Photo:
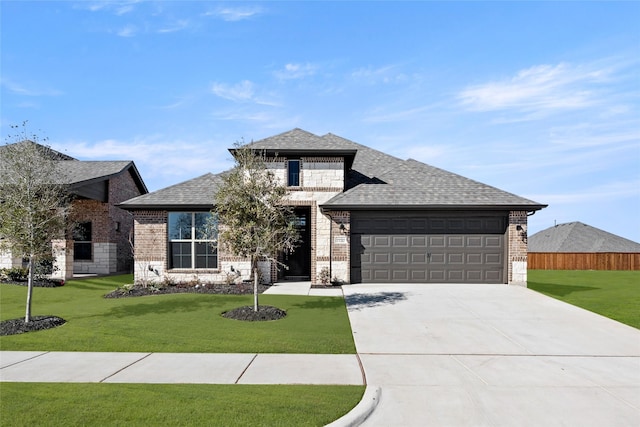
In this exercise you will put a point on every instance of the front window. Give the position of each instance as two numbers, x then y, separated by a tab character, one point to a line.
193	240
293	173
82	236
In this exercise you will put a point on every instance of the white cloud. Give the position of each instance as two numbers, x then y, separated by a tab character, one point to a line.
240	92
177	26
233	14
387	74
162	160
296	71
117	7
540	88
596	134
28	90
127	31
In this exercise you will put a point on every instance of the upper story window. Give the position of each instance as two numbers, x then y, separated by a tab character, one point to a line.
293	173
192	240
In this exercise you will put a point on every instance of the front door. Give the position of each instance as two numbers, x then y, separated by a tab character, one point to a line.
299	261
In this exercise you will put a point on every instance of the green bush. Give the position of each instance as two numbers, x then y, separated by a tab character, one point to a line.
14	274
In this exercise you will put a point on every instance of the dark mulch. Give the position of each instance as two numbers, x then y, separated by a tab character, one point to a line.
265	312
38	283
37	323
244	288
330	286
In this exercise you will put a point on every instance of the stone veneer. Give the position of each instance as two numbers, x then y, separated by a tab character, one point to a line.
9	261
517	262
321	178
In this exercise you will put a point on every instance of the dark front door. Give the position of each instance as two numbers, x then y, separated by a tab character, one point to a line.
299	261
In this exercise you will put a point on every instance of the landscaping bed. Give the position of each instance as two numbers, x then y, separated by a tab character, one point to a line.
244	288
38	283
37	323
247	313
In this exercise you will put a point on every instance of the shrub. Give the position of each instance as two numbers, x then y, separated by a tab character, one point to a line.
15	274
324	276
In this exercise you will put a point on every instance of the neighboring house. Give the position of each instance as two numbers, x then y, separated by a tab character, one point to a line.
578	246
363	215
99	242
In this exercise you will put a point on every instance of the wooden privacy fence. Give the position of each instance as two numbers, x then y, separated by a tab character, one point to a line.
583	261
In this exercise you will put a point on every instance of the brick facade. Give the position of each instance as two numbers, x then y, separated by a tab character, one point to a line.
111	228
321	178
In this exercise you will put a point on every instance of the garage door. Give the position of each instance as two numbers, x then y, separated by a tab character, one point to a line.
426	248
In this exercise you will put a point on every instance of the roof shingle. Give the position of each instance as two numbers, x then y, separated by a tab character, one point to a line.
375	179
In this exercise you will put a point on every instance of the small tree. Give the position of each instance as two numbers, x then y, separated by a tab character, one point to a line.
251	208
34	201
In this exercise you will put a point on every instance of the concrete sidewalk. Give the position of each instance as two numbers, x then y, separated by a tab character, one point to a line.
184	368
302	288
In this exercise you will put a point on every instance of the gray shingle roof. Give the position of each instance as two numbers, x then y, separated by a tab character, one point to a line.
375	179
78	173
197	193
579	237
411	183
298	139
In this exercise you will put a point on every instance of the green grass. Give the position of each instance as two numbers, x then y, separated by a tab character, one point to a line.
173	323
614	294
27	404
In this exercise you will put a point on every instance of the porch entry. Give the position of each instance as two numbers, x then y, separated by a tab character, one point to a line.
299	261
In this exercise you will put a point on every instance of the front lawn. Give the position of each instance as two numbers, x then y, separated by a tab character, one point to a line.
28	404
173	323
614	294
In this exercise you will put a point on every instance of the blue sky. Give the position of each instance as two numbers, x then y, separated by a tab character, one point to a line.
541	99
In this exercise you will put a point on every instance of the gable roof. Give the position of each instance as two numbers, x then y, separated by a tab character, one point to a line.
80	173
298	142
579	237
197	193
44	150
373	180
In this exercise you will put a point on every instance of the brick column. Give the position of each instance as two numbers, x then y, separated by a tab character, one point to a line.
517	258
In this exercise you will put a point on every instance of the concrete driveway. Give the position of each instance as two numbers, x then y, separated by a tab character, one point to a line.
492	355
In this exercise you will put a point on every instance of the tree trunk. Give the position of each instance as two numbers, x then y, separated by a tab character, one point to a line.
255	289
27	316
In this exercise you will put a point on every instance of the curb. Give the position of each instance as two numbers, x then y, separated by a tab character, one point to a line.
362	410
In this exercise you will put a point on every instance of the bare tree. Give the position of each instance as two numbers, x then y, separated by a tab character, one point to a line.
34	201
251	208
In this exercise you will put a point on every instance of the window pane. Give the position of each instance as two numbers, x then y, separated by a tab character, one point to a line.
82	251
205	226
206	256
294	173
82	232
180	255
180	225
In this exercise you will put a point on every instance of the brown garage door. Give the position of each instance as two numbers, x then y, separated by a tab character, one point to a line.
408	247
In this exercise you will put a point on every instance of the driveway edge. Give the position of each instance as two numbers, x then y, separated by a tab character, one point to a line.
362	410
